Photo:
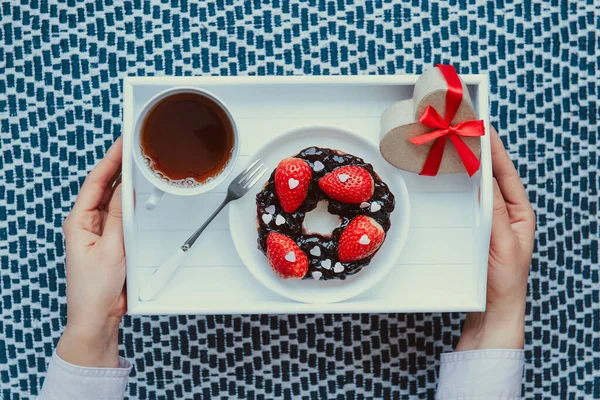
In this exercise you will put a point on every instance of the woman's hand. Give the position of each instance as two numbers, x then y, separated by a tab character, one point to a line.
501	326
96	298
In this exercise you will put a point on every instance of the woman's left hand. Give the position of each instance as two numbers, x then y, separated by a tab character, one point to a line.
96	298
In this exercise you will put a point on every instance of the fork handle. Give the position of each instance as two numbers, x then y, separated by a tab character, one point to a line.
192	239
159	278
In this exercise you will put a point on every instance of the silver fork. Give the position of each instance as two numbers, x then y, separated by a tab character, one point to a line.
237	188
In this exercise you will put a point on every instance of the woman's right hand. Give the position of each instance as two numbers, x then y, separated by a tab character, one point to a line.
501	326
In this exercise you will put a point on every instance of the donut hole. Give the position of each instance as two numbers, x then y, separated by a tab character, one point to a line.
320	221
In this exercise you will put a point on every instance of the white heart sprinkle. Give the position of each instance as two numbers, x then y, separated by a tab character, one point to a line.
270	209
293	183
267	218
326	264
338	267
343	177
317	275
279	220
364	204
318	166
316	251
375	207
291	257
364	239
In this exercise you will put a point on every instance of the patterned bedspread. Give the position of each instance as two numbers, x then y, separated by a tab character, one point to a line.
61	69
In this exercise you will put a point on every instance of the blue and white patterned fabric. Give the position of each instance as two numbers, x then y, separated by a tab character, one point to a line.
61	70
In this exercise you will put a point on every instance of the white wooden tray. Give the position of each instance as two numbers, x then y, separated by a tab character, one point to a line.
444	263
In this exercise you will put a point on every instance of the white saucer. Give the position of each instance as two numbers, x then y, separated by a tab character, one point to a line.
243	226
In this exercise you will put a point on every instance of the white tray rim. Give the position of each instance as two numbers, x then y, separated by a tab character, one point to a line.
137	307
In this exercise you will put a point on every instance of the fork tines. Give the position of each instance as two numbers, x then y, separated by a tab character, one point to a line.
250	176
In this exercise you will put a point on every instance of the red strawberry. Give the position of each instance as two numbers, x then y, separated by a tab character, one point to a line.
349	184
362	237
292	178
285	257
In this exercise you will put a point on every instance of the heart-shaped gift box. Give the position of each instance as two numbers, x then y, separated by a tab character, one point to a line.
414	134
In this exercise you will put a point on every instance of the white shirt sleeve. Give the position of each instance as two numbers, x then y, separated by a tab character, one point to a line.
65	381
481	374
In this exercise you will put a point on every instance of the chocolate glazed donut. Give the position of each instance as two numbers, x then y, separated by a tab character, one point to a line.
270	214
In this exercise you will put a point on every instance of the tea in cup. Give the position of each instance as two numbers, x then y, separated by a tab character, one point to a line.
185	143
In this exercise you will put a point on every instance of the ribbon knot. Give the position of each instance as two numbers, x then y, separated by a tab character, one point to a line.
444	130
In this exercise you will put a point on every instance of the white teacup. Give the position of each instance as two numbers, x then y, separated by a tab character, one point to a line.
162	184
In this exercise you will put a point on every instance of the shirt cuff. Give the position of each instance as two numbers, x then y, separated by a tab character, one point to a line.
66	381
481	374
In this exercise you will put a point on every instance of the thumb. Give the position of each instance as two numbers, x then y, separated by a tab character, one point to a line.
501	229
113	227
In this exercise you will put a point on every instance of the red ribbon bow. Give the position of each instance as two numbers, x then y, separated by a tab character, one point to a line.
443	128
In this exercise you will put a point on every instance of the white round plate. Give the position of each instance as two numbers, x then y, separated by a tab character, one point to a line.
242	217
